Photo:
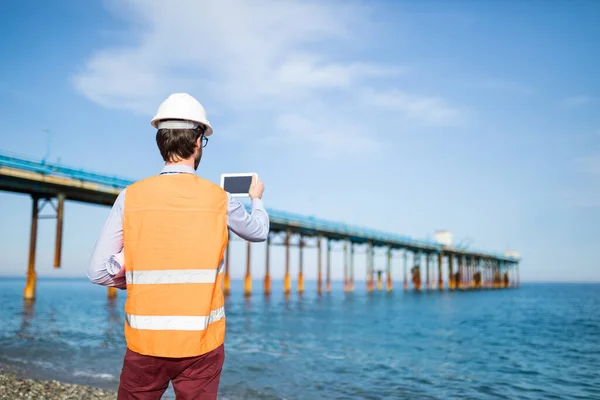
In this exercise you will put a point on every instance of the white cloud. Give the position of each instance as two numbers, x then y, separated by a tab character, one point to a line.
575	101
304	71
273	59
232	50
428	110
328	139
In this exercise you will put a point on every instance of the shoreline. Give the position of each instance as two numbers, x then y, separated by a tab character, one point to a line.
15	385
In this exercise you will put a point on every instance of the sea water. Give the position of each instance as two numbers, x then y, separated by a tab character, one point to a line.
540	341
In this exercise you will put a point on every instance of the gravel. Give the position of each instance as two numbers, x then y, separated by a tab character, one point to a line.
13	387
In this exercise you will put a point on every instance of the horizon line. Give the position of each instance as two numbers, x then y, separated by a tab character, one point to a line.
305	279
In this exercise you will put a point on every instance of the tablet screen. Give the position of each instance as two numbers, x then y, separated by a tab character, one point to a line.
237	184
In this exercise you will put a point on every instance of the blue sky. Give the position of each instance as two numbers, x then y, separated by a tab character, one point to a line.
409	117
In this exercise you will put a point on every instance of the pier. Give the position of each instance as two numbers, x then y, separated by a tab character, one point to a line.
50	185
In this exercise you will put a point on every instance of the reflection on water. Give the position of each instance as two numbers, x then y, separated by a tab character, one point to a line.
27	317
114	322
112	313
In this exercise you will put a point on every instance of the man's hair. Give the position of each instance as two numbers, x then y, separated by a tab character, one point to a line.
177	144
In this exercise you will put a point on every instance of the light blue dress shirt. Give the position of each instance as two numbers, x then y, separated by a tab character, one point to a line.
105	261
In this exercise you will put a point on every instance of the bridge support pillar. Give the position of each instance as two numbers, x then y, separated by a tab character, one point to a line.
465	267
346	279
476	274
473	272
370	277
405	284
248	276
301	267
466	282
351	267
389	269
488	275
481	266
29	292
319	267
463	273
460	282
484	273
59	229
440	273
462	270
450	277
267	281
467	273
427	278
111	293
482	269
328	276
416	272
433	281
287	280
501	273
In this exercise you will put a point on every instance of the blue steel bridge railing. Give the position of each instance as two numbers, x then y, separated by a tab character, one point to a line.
309	222
282	217
55	169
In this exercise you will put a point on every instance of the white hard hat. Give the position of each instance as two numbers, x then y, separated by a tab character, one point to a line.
183	107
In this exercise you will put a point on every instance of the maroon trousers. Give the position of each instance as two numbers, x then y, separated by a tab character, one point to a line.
147	377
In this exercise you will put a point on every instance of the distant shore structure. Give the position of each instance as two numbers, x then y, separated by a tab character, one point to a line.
444	237
53	184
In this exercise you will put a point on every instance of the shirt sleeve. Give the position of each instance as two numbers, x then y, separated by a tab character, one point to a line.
254	226
108	251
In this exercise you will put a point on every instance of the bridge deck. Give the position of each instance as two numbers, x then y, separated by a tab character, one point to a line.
48	180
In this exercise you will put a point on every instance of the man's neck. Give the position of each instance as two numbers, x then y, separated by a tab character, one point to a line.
186	163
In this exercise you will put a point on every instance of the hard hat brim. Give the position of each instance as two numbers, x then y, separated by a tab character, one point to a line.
207	132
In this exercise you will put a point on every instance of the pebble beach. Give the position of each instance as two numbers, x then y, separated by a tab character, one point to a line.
13	386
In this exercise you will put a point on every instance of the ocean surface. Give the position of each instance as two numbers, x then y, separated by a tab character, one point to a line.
541	341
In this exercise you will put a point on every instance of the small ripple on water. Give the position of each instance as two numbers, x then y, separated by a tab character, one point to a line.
95	375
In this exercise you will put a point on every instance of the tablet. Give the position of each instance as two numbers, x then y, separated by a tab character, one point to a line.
238	184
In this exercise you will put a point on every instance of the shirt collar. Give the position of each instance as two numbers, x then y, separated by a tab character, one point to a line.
177	169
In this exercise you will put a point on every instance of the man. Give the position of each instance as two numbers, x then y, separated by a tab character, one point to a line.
164	242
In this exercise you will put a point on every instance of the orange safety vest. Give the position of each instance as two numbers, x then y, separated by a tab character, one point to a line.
175	234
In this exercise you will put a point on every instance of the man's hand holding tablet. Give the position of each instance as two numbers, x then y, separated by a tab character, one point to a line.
243	185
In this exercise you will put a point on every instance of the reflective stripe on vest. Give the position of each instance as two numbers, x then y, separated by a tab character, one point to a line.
178	323
175	234
173	276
